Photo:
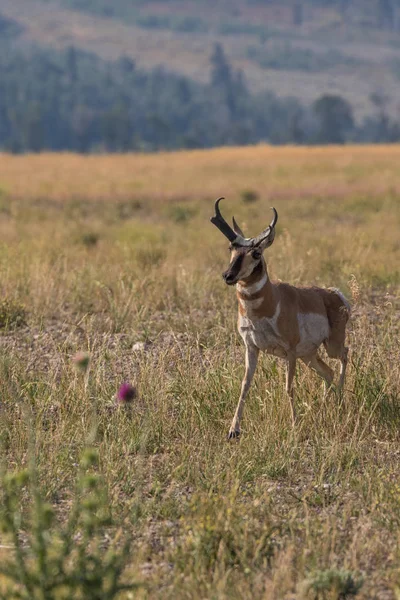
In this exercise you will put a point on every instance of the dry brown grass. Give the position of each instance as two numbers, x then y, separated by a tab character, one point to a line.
106	251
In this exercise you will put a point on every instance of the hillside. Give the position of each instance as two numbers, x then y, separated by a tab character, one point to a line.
303	52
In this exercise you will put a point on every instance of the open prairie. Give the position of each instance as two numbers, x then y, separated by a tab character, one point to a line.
115	256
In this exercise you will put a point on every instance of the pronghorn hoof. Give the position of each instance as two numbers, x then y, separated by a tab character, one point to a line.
233	435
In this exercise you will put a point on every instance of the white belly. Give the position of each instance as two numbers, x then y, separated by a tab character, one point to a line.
313	330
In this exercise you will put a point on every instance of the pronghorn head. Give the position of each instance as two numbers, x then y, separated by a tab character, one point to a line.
246	253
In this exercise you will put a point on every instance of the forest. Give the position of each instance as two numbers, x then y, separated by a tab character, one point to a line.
73	100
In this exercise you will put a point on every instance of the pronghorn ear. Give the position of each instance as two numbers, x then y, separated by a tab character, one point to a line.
236	228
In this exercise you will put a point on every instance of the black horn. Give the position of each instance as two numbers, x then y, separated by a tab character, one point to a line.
219	221
267	232
275	219
236	227
235	238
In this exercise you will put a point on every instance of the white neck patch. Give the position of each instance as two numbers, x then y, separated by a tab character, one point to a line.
254	287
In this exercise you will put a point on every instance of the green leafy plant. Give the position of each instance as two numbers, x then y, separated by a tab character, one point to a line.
12	314
249	196
90	238
52	561
332	584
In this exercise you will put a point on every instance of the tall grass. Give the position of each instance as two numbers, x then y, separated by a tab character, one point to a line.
309	512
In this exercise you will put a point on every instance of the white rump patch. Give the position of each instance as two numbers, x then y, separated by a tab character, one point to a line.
343	298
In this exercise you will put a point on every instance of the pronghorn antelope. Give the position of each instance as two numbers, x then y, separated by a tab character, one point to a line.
283	320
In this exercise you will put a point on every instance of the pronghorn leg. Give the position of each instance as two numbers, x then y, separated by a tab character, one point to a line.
290	371
251	363
316	363
343	365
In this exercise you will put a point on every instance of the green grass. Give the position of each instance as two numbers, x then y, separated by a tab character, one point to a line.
310	512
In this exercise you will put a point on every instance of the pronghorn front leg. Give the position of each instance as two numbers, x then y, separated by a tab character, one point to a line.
251	363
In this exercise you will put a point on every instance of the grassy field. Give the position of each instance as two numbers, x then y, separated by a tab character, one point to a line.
115	256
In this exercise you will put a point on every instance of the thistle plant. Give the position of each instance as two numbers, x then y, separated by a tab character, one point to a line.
81	361
53	561
126	394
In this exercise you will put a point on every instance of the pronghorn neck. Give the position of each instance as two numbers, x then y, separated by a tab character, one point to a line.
255	283
256	294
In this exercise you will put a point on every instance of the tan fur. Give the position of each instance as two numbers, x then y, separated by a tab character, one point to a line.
288	322
295	301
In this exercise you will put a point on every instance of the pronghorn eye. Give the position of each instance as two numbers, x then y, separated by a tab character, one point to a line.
256	254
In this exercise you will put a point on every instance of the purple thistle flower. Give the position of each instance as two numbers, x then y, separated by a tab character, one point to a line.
126	393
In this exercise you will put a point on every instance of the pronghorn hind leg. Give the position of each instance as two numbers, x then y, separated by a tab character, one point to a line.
290	371
251	363
317	364
343	365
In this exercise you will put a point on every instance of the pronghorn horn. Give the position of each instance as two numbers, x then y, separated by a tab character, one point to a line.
275	219
236	227
267	232
219	221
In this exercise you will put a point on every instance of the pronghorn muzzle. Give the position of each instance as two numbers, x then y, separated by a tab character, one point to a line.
230	276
